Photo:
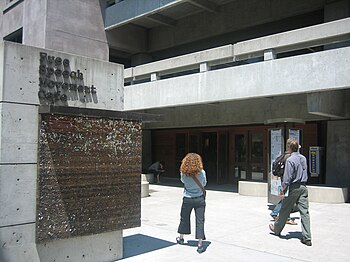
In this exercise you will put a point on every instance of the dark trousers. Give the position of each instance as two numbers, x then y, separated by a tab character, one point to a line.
298	195
198	204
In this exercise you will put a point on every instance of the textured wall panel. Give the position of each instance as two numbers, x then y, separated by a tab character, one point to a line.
17	194
89	176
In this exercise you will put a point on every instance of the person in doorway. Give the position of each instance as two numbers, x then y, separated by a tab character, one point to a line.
194	179
295	177
157	169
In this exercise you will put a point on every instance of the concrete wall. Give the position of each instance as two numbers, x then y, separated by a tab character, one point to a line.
19	118
12	20
21	73
300	74
338	153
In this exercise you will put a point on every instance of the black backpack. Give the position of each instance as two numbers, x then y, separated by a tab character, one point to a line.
279	164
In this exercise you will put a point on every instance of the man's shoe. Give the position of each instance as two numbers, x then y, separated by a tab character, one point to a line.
272	228
306	242
180	241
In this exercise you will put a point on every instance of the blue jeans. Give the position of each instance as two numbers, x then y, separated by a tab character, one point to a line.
277	209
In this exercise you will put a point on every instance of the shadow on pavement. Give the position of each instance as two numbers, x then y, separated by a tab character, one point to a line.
139	244
291	235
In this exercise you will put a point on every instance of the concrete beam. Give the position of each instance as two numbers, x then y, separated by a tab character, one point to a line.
161	19
206	5
126	12
326	33
293	75
328	104
186	61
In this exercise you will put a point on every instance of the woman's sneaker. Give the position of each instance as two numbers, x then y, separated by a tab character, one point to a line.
180	241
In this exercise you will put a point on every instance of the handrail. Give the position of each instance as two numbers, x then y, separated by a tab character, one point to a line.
322	34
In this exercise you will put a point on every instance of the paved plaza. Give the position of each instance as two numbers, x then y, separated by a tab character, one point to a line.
236	229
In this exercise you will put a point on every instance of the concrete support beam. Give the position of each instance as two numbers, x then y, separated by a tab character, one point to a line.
294	75
206	5
154	77
203	67
328	104
127	11
321	34
186	61
269	54
161	19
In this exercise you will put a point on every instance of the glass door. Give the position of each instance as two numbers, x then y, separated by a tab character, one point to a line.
249	154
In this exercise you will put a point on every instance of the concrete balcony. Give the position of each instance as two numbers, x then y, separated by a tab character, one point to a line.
249	69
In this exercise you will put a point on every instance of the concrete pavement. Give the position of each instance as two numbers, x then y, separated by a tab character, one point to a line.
236	229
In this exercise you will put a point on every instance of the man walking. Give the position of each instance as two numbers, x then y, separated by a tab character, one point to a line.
295	177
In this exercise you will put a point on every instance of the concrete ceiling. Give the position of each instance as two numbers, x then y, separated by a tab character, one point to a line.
170	16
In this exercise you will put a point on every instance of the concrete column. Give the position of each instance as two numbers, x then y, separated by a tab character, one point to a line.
203	67
338	153
269	54
154	77
75	27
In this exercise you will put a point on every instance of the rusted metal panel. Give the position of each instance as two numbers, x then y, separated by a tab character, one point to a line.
89	176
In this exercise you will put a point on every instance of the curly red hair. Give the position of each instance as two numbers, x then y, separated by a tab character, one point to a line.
191	165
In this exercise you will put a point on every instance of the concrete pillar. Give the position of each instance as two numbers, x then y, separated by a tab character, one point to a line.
269	54
338	153
203	67
75	27
154	77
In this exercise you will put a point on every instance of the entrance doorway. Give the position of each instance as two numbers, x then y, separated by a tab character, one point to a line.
248	154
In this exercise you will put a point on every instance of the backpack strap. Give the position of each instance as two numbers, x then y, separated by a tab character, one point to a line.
200	185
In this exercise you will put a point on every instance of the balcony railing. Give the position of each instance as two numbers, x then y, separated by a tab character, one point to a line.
260	49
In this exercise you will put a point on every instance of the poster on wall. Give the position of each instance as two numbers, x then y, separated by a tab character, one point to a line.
276	149
276	144
294	133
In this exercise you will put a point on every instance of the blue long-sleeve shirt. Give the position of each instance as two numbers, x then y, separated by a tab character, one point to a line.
295	170
191	189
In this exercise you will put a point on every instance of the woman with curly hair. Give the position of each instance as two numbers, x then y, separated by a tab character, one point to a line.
193	198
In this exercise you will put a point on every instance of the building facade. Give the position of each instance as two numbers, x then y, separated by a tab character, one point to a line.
232	79
224	74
